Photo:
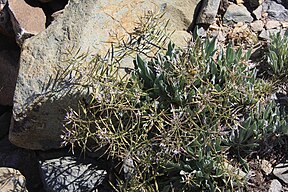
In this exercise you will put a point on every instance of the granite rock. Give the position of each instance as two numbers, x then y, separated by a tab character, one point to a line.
275	11
257	25
208	11
275	186
272	24
68	174
237	13
280	171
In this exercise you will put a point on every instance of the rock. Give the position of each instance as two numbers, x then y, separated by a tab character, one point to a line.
181	38
281	172
49	7
208	11
272	24
276	11
237	13
240	28
258	12
284	24
266	167
38	123
10	27
257	25
69	174
282	2
223	7
23	160
275	186
12	180
238	2
31	19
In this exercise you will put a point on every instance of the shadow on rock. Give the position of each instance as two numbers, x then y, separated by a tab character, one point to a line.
65	172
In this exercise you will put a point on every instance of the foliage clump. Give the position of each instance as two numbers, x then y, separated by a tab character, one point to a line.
176	120
278	55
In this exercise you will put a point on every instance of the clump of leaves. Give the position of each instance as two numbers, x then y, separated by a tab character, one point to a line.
278	55
175	116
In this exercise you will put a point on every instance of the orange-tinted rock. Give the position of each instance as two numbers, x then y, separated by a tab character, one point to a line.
32	19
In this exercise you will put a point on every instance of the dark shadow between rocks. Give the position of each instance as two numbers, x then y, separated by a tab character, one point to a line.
23	160
9	63
192	26
9	60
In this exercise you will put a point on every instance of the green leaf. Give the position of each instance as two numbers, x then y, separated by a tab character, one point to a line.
170	49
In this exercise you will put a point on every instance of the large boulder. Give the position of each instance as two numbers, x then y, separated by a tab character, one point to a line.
208	11
85	24
237	13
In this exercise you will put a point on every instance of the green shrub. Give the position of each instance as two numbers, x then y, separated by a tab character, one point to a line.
278	55
174	119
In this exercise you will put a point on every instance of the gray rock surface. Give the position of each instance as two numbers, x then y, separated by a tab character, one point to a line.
272	24
258	12
66	174
12	180
276	11
281	172
275	186
40	127
237	13
282	2
257	25
208	11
